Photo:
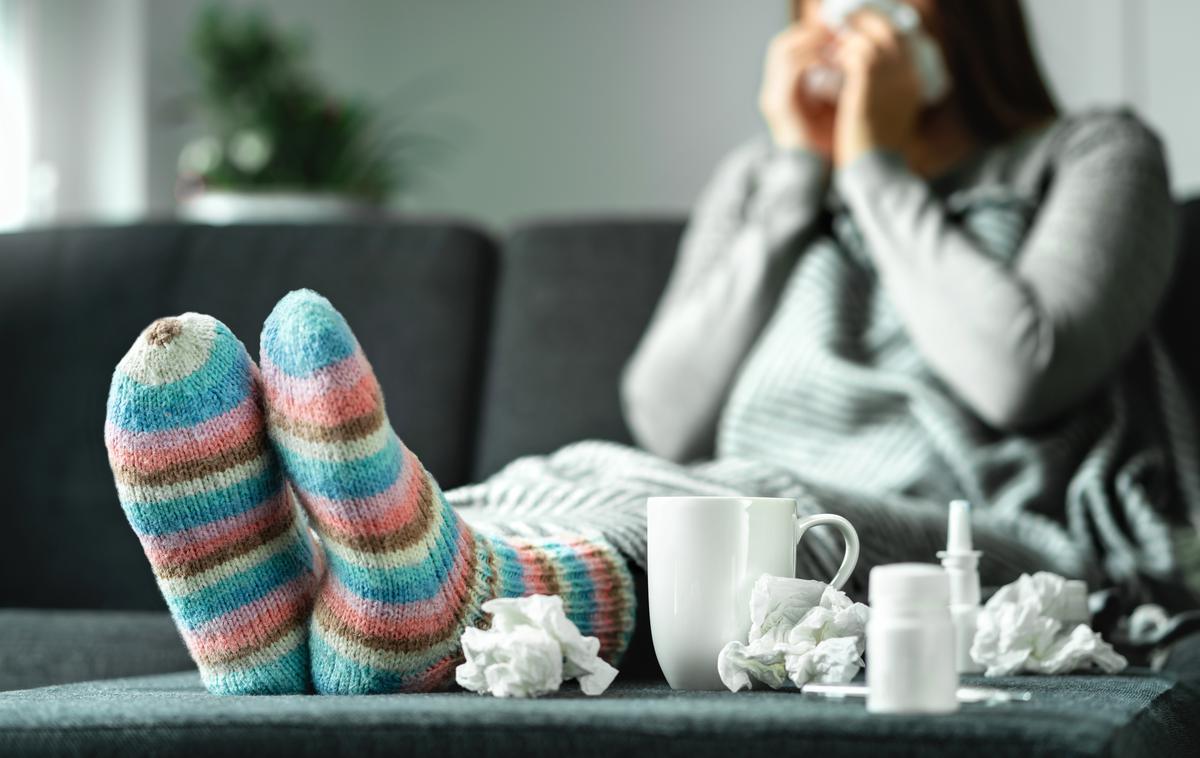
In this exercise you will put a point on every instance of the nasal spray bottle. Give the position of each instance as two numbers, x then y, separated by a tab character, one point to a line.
961	562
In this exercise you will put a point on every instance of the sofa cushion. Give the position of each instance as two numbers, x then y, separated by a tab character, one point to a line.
1137	714
572	302
73	300
41	647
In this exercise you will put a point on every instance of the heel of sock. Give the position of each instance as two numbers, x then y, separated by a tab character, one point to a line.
395	626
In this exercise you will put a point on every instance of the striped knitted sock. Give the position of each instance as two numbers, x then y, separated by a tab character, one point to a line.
406	574
202	488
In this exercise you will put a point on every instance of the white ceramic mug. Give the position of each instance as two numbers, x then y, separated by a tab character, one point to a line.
704	556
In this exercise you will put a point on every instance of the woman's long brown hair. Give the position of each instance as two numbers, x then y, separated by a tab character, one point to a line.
998	86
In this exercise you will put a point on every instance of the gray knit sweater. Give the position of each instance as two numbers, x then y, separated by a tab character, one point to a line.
985	334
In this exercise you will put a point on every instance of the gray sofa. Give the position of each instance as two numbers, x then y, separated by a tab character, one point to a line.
486	351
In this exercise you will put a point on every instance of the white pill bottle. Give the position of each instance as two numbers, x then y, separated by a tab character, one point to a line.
910	641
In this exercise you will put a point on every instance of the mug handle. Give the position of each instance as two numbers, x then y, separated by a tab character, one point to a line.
849	536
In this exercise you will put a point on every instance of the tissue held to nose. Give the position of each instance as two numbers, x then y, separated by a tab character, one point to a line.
826	81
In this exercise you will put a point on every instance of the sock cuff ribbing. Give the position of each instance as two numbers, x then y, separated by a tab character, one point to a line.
584	569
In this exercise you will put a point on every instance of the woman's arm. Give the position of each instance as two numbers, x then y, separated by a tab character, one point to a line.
740	242
1020	345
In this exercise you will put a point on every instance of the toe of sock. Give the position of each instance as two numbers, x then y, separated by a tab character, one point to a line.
173	362
305	333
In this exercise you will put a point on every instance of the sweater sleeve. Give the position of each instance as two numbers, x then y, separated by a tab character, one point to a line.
739	244
1020	344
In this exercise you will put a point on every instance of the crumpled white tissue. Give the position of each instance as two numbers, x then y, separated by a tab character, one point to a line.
530	649
1020	630
801	630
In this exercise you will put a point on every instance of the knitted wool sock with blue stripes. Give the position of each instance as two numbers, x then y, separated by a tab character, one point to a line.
406	574
203	490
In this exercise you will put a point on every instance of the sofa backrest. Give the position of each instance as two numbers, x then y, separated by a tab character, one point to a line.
572	300
1180	316
543	346
73	300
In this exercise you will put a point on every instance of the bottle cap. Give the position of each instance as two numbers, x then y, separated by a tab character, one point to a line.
909	586
958	530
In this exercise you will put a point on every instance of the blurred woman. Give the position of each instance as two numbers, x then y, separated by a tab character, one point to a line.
901	300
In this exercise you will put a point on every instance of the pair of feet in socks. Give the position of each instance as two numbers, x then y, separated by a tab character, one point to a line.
207	450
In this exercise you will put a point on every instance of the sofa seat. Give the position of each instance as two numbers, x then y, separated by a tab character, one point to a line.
1134	714
41	647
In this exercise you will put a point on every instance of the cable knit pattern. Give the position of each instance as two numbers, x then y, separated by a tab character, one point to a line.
406	574
204	492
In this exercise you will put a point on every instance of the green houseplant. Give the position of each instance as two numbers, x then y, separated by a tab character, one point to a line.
279	144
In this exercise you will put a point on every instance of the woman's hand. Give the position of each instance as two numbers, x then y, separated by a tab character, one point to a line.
881	90
794	119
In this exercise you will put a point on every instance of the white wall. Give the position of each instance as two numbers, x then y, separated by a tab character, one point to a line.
1170	82
625	105
551	106
1141	52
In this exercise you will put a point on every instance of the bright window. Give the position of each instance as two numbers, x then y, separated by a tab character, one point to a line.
14	118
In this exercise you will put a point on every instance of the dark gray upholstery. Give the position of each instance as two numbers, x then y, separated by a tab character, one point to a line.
1135	714
572	302
41	647
1181	313
72	301
542	356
